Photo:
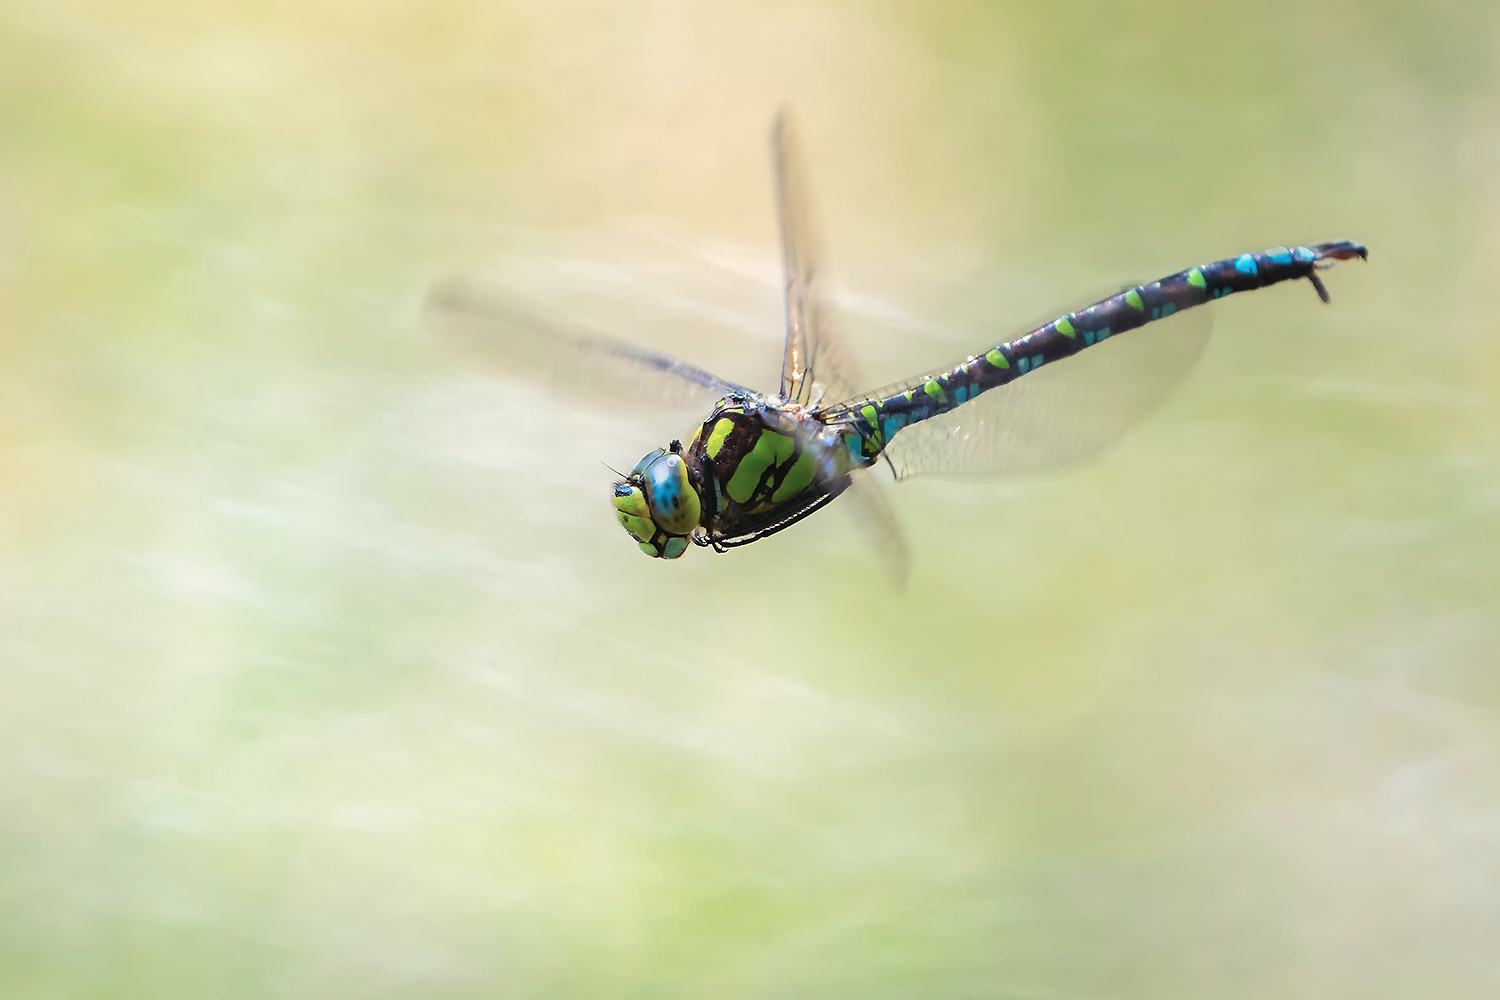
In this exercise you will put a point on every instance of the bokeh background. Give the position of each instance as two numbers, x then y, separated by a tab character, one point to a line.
326	672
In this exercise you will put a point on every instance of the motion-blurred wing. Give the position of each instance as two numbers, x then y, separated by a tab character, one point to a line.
816	367
1065	412
877	518
584	365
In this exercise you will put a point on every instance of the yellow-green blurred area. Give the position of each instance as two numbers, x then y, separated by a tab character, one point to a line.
325	670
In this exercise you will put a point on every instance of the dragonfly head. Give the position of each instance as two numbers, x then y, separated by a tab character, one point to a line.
657	504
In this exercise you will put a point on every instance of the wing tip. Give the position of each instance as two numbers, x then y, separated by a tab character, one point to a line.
449	294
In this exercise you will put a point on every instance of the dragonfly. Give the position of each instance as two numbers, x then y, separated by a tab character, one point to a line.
760	462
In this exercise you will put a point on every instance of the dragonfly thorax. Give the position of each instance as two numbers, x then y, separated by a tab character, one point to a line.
761	464
658	505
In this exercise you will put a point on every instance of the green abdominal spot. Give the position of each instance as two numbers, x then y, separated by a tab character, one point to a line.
872	417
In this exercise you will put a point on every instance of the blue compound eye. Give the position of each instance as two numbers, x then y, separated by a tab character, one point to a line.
640	467
674	503
658	506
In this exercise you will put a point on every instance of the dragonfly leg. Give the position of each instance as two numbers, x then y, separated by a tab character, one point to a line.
1317	284
708	494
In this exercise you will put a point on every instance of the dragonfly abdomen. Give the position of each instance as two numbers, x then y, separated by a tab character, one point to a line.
878	418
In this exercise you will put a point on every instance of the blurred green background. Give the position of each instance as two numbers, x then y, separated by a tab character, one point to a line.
326	672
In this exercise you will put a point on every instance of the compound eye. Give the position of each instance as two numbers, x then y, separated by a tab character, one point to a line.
640	467
674	502
633	513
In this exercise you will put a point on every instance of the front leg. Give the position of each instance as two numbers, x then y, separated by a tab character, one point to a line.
708	498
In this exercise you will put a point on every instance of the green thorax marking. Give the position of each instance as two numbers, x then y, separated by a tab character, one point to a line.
771	451
720	434
753	466
796	478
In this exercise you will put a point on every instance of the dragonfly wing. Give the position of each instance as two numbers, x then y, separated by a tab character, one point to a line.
585	364
1063	413
872	509
815	368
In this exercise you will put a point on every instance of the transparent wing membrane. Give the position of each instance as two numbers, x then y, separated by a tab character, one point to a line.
872	509
816	367
583	364
1063	413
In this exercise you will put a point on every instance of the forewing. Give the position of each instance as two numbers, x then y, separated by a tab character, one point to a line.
816	368
586	365
1065	412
